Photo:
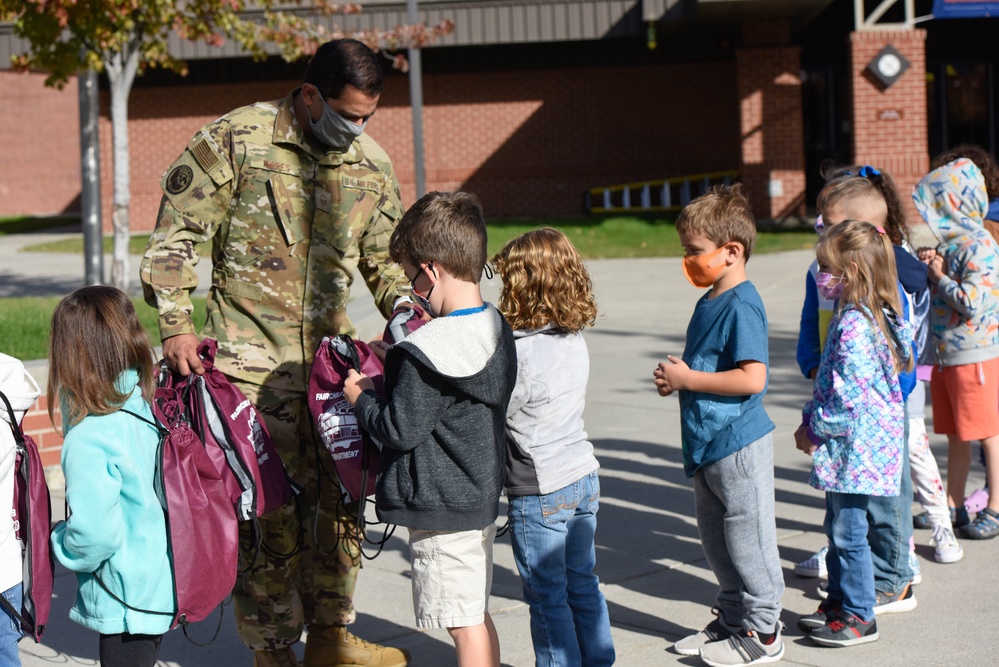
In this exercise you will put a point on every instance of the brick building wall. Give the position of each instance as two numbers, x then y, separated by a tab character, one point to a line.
528	143
40	158
37	424
890	125
772	146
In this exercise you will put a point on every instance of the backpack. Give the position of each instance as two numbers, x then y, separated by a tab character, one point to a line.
202	529
354	457
32	525
235	436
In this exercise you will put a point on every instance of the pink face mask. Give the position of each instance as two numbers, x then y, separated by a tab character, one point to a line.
829	292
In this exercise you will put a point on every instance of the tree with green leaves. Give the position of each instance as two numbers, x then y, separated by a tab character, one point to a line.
125	37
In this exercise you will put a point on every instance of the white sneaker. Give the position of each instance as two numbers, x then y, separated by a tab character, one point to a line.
948	550
815	566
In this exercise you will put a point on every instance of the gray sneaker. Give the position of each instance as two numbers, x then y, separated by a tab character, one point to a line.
717	630
743	648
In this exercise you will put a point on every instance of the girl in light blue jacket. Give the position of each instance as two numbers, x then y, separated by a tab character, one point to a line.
100	370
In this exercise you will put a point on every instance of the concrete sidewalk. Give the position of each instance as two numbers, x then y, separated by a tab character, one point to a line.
656	580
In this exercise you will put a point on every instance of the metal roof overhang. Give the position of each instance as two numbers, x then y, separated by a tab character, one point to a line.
485	22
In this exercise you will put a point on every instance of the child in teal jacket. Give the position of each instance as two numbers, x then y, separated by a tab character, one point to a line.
115	539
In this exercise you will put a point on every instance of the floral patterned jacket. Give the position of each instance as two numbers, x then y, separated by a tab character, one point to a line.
855	416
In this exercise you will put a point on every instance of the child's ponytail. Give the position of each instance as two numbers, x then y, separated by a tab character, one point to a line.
895	225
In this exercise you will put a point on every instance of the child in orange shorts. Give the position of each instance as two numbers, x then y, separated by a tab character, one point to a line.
964	273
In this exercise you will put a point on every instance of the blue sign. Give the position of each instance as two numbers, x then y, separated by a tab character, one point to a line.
964	9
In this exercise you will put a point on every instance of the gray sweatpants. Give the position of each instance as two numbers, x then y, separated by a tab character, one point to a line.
734	501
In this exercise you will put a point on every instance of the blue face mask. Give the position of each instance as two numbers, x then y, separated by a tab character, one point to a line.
334	130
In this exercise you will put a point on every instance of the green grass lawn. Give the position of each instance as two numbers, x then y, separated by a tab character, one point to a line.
594	237
24	323
21	224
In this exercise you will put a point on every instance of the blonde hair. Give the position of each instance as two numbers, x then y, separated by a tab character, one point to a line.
864	256
723	215
96	336
545	282
865	193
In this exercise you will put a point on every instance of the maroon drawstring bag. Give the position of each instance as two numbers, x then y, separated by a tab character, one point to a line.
32	526
235	437
202	529
236	426
354	457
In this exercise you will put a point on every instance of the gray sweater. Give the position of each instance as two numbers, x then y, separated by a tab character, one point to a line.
548	449
441	427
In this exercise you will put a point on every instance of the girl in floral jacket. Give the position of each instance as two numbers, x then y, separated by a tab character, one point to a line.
853	426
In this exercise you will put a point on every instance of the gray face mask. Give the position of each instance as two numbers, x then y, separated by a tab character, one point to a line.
334	130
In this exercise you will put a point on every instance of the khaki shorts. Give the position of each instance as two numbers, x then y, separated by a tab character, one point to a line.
452	576
966	400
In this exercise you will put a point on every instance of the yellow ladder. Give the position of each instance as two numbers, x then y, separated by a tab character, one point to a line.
667	194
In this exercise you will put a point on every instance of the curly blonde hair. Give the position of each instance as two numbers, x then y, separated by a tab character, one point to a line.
545	283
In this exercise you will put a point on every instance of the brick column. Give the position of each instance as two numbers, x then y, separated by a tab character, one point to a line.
889	125
46	435
772	138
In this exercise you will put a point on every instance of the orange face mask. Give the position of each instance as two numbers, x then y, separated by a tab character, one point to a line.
702	270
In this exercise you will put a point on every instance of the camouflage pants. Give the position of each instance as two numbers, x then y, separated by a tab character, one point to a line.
280	595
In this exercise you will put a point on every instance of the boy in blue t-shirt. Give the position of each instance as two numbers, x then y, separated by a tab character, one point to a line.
727	446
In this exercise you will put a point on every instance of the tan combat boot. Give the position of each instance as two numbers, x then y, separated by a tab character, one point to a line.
281	657
333	646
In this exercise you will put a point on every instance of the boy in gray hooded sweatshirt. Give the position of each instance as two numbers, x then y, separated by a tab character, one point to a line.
441	428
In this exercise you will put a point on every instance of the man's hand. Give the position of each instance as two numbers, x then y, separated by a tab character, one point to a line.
672	376
181	354
802	442
355	385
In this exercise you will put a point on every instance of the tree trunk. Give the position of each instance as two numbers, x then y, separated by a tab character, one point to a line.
121	68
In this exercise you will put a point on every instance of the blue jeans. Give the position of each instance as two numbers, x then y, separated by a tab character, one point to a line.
10	629
851	573
552	538
890	520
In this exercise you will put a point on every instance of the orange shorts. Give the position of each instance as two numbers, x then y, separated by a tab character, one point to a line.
966	400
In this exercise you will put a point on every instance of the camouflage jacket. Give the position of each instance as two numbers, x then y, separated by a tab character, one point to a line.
289	222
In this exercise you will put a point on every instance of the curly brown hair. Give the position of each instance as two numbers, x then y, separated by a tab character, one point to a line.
982	159
545	283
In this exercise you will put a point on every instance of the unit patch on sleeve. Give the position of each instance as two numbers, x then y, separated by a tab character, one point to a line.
179	179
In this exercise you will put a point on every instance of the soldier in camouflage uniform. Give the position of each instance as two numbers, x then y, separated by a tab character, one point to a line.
293	198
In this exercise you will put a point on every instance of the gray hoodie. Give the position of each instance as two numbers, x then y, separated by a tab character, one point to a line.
441	427
548	449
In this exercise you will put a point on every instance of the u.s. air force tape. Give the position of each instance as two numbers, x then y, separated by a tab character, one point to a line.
179	179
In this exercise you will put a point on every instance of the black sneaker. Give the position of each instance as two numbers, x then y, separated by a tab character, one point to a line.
959	516
828	610
984	527
845	630
895	603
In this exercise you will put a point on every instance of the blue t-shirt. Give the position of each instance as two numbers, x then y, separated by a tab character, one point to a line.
722	332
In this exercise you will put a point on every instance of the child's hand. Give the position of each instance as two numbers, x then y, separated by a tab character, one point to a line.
936	269
802	442
380	348
926	254
355	384
672	376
